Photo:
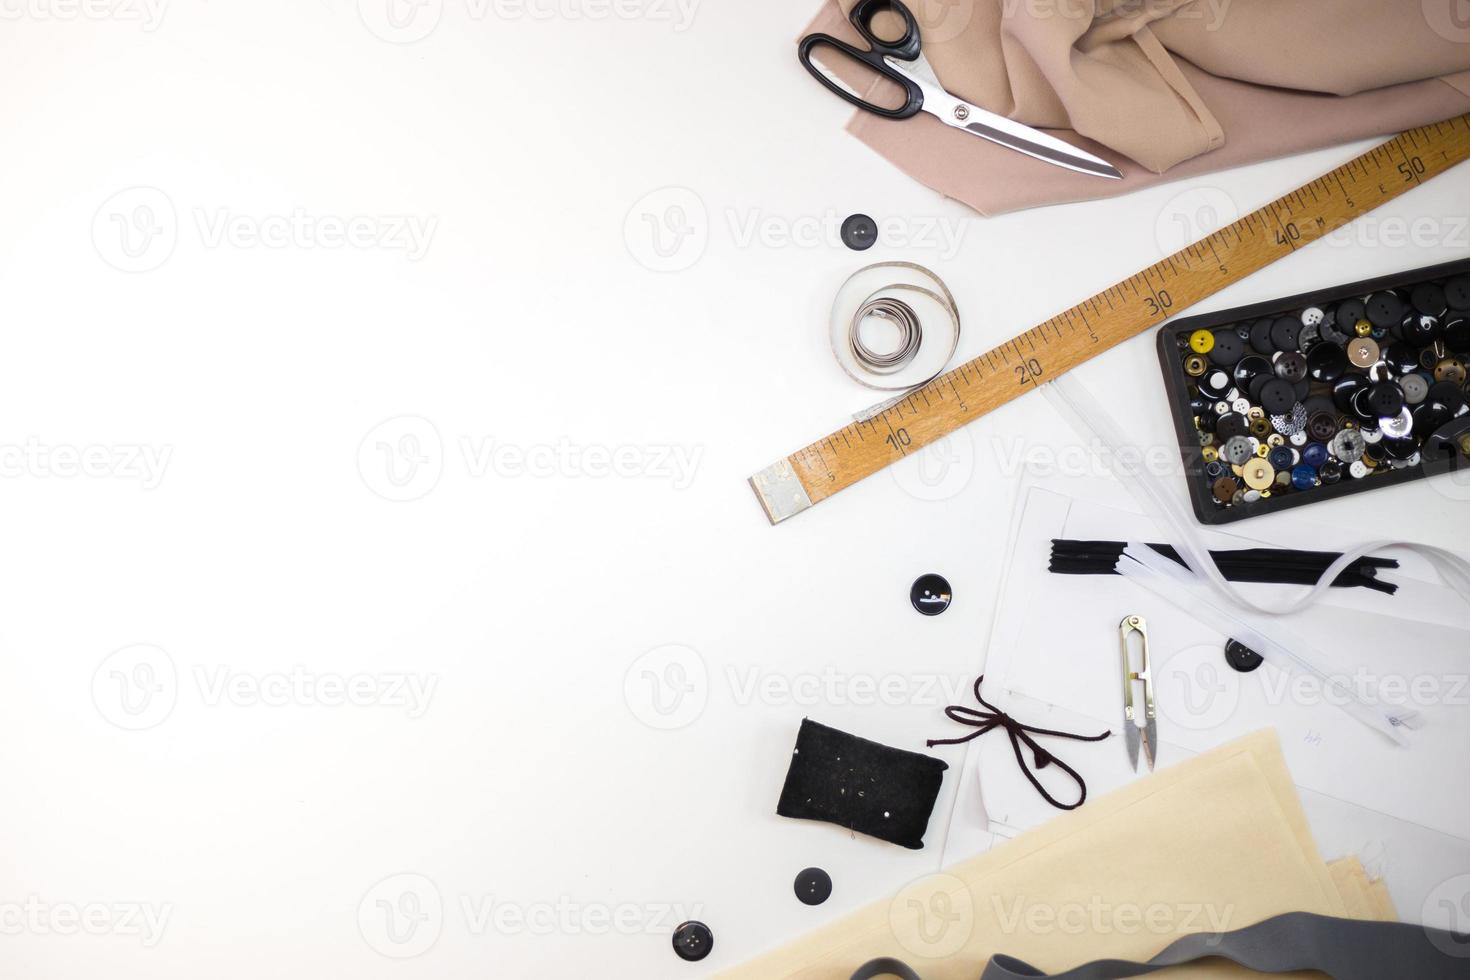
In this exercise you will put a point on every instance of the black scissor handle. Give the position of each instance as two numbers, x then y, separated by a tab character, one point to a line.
906	48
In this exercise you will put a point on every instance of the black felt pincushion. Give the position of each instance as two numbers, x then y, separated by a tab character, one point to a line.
866	787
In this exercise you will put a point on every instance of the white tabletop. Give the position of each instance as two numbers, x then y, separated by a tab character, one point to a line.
361	465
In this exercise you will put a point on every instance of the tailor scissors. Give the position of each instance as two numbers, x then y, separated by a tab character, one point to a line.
1133	726
903	62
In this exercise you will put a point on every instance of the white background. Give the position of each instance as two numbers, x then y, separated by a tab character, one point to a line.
302	388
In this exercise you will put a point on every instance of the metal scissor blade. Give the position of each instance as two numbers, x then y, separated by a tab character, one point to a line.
1035	143
1130	735
1151	743
998	129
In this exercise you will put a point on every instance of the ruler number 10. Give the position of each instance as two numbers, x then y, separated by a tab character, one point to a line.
899	439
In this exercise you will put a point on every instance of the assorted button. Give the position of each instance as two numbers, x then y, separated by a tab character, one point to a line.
930	594
859	232
813	886
1335	391
693	941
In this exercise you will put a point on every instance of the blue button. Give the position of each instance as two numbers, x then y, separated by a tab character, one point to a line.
1315	454
1280	458
1304	477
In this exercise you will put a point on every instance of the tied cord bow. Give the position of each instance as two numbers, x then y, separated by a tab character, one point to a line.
992	718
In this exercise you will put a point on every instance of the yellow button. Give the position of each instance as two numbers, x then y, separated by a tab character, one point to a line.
1258	474
1201	341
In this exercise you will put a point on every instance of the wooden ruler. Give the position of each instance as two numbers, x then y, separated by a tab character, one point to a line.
1136	304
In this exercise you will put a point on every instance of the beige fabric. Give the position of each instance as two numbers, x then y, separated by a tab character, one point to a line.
1164	85
1363	897
1217	842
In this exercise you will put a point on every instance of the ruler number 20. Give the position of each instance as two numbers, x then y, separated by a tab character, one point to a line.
1028	371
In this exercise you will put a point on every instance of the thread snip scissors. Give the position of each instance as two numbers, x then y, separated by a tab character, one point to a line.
903	62
1134	726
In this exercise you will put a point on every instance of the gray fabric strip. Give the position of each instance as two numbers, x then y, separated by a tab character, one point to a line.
1344	949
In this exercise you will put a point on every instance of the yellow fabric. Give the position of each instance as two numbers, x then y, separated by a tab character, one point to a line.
1215	843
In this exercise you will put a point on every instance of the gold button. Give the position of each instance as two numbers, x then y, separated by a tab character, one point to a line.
1450	370
1362	328
1209	454
1258	474
1195	366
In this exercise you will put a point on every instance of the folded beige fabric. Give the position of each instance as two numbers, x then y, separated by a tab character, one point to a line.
1164	85
1215	843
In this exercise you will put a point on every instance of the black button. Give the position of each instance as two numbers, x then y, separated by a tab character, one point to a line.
1326	362
1344	388
1284	332
1457	292
1399	449
1400	358
1292	366
1420	329
1228	348
1278	396
930	594
1330	472
1230	425
813	886
1349	312
1385	309
859	232
1242	657
693	941
1457	334
1429	298
1322	426
1249	367
1261	337
1214	384
1386	398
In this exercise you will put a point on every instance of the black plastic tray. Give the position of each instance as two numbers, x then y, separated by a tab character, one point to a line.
1176	384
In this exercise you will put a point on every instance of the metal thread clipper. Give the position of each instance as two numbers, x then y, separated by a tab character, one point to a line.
1135	729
